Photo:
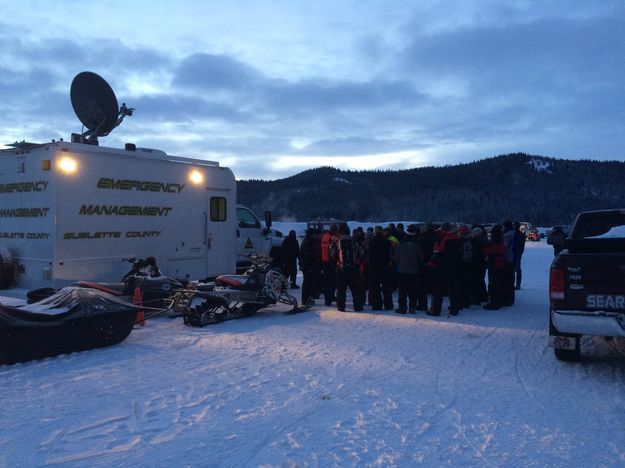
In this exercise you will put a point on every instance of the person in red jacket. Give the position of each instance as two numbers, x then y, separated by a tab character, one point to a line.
496	251
328	268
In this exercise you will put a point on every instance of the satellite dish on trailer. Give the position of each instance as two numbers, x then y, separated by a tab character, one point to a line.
95	105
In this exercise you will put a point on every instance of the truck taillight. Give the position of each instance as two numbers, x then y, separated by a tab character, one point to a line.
556	283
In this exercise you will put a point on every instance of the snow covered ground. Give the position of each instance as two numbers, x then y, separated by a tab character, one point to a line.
325	388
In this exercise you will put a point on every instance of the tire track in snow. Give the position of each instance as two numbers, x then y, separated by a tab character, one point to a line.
456	416
519	378
286	424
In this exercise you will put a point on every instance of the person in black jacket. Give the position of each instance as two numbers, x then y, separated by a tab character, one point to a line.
379	261
479	293
466	263
427	239
409	262
556	238
310	264
446	267
290	252
347	255
518	247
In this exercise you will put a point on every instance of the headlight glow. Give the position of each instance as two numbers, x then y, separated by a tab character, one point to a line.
196	177
67	164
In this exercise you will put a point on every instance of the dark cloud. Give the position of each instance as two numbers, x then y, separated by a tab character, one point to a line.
59	55
186	108
542	56
248	86
208	72
356	146
522	77
329	96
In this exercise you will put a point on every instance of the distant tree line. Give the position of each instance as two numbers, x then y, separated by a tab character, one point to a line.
538	189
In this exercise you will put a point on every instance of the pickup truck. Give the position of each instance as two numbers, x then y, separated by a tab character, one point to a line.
587	283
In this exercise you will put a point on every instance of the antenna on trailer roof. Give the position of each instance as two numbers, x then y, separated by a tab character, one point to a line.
95	105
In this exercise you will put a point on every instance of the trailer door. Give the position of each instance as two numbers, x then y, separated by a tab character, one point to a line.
219	236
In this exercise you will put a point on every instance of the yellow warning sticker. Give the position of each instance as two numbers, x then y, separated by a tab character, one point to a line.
248	244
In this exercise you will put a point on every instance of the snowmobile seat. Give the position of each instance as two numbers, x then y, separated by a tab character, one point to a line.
101	287
234	281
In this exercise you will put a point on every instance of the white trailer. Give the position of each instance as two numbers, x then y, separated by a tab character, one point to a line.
73	211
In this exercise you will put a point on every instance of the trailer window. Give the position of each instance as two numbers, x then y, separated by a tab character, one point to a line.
218	208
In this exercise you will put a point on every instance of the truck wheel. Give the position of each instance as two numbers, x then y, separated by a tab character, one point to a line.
564	354
570	355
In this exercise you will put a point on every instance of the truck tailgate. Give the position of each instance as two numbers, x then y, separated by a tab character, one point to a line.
592	282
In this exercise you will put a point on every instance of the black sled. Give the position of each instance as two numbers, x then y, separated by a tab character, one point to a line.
73	319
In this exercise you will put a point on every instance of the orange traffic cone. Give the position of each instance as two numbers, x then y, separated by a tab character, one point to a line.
138	301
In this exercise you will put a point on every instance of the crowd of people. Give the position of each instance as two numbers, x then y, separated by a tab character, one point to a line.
423	263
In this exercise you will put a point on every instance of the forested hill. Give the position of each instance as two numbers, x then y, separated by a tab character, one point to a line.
542	190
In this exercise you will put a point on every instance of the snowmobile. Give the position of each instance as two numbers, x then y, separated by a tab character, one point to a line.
156	289
235	296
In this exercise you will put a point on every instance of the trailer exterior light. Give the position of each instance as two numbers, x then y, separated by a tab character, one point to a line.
68	165
196	177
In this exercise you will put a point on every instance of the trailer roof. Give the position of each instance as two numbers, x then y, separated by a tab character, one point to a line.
25	147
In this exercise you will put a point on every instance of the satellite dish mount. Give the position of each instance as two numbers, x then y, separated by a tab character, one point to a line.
95	105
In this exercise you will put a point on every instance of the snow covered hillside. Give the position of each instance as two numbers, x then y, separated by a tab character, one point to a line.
326	388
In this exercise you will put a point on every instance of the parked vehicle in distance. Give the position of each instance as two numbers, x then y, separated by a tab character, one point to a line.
525	227
533	235
586	281
323	225
488	227
565	227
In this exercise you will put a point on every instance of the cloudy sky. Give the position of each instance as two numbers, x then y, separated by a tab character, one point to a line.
271	88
